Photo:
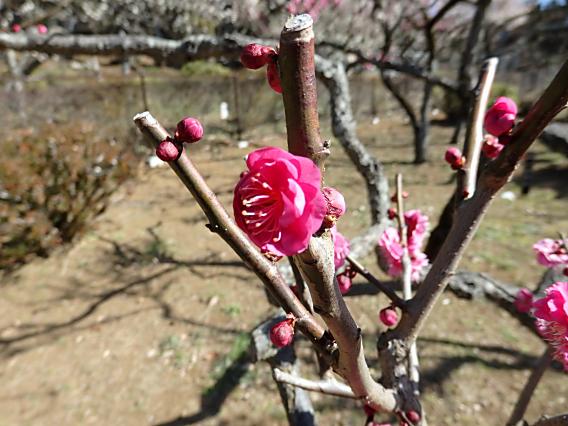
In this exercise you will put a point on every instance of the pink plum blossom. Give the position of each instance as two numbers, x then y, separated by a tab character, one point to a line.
392	250
551	312
500	118
16	28
523	300
278	202
416	227
551	252
341	248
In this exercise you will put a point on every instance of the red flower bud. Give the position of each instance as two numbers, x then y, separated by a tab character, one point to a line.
392	213
42	29
273	76
454	158
344	281
413	416
168	150
369	411
189	130
500	118
388	316
491	147
255	56
282	333
16	28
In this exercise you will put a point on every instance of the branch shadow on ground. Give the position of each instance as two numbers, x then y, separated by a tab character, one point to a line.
30	335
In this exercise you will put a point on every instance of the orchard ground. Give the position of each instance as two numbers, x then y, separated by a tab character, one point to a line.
146	318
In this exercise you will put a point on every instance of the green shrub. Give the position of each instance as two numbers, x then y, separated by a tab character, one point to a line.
53	182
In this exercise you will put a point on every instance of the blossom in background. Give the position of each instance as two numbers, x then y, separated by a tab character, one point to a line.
344	280
551	314
278	202
391	247
551	252
500	118
341	248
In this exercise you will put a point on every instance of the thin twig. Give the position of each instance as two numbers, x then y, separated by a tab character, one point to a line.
388	291
221	223
474	134
322	386
413	365
530	386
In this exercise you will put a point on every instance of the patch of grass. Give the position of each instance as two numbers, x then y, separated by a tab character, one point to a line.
232	310
238	349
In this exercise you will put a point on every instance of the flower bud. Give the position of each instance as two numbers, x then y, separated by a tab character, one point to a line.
413	416
41	29
168	150
16	28
500	118
282	333
391	213
273	76
189	130
344	281
255	56
491	147
523	300
334	201
454	158
388	316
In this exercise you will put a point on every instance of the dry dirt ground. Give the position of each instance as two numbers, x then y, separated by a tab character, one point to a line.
145	320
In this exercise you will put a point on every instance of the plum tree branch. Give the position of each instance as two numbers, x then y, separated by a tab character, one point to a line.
221	223
297	71
327	387
469	214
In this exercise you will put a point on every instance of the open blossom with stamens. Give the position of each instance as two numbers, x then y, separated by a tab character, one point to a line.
551	252
278	202
341	248
551	312
416	227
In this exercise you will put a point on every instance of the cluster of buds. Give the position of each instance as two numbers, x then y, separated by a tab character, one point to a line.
499	122
282	333
454	158
255	56
188	130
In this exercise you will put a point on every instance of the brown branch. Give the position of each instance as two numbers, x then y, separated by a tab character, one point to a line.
474	133
471	211
561	420
388	291
298	75
297	71
530	386
221	223
327	387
